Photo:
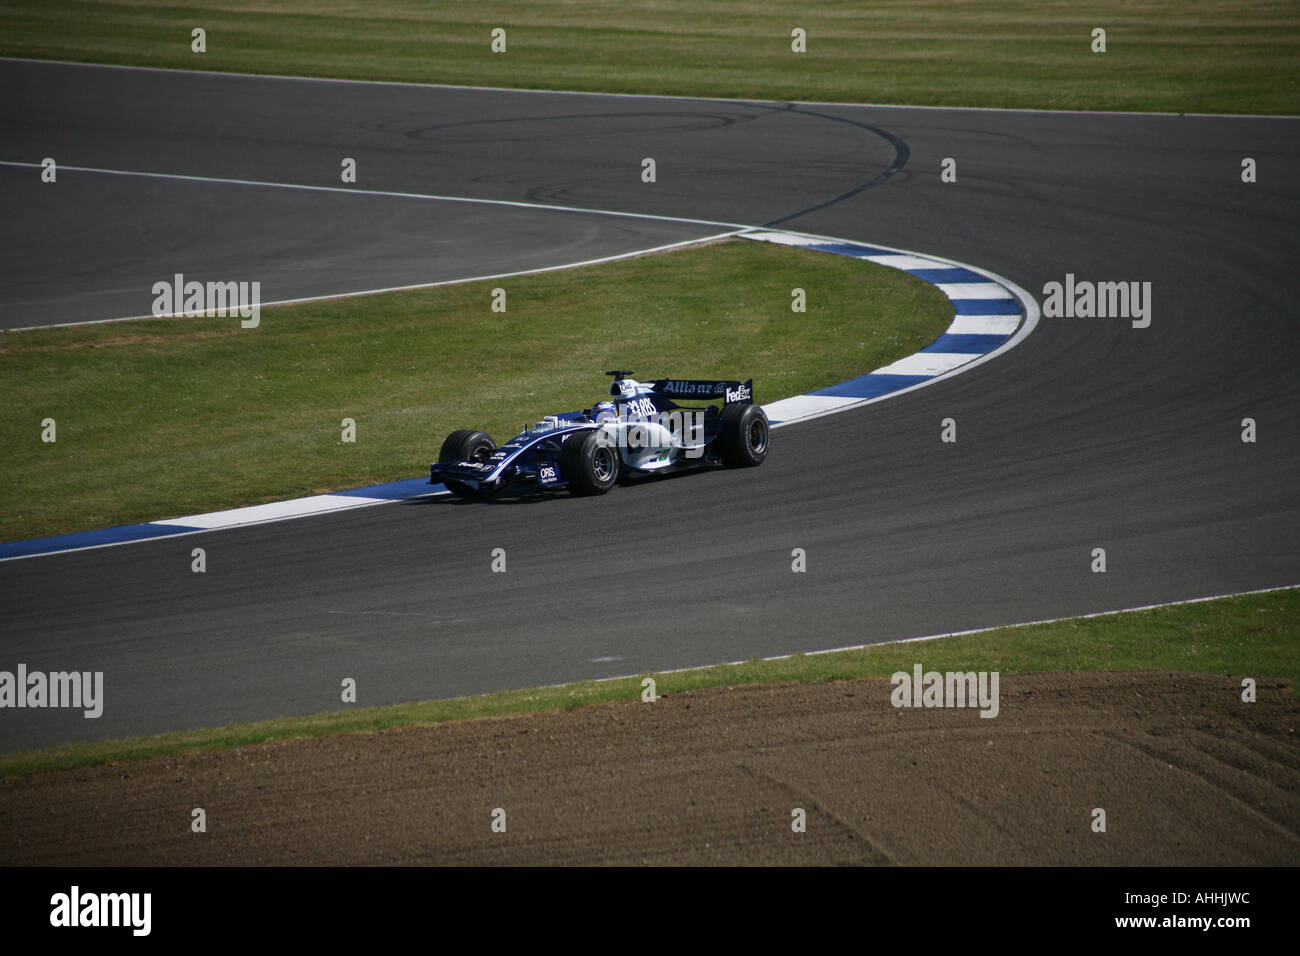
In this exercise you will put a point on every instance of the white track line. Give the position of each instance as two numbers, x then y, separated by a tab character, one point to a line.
419	285
428	197
400	288
637	96
388	194
938	637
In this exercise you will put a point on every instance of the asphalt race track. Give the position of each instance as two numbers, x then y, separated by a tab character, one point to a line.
1089	434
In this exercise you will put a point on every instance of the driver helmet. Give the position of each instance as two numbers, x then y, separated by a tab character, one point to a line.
602	411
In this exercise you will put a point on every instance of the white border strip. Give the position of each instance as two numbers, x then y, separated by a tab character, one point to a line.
250	522
1028	304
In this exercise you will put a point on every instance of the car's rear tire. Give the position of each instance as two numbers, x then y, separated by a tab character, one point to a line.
745	435
466	444
589	462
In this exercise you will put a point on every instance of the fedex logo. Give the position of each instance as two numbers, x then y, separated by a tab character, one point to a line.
742	394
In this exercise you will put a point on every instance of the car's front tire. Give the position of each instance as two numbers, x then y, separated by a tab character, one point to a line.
466	444
745	433
589	462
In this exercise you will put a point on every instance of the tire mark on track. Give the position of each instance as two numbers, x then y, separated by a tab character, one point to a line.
901	155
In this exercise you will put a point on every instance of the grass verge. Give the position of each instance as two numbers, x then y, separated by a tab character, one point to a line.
170	417
1174	55
1250	635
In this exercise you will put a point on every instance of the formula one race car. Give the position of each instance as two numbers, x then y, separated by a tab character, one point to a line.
641	431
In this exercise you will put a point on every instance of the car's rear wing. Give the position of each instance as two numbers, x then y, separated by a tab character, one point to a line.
732	393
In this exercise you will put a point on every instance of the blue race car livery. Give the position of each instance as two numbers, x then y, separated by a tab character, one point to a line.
640	431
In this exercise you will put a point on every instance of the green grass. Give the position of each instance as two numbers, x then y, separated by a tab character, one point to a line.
1175	55
1253	635
169	417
